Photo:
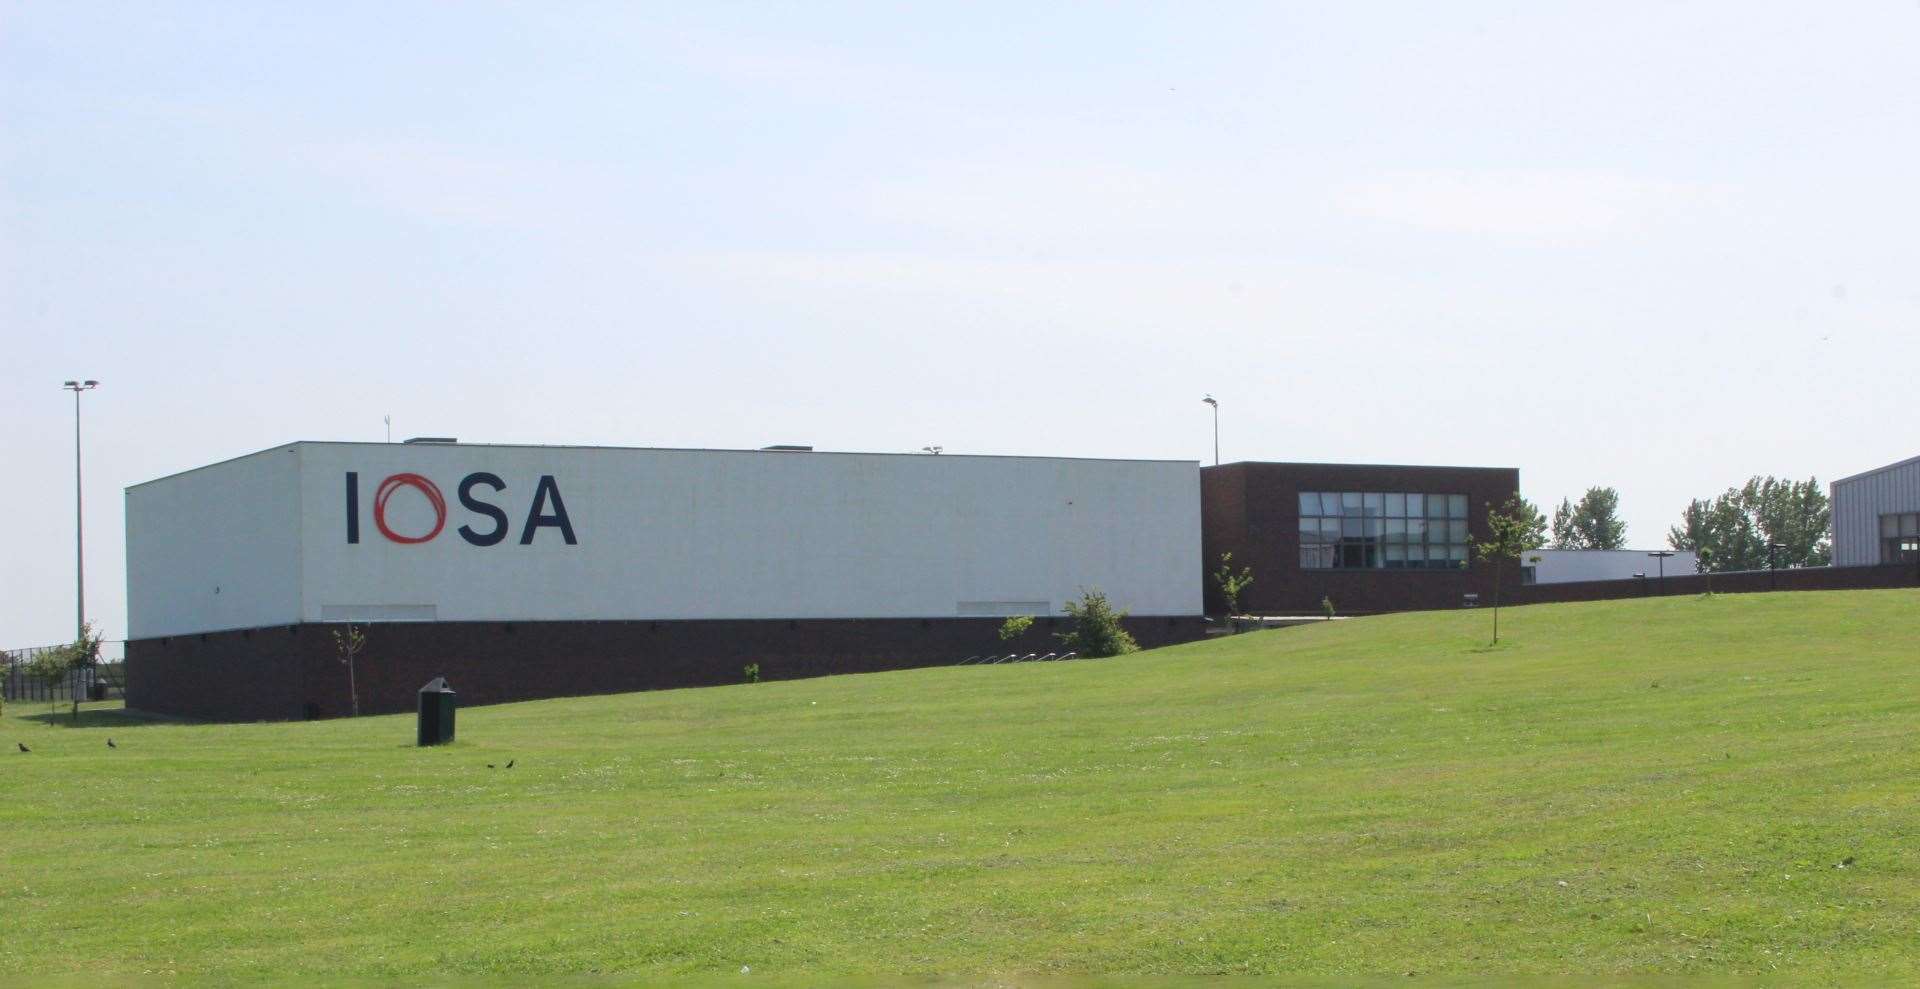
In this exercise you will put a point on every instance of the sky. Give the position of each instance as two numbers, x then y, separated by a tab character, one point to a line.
1661	247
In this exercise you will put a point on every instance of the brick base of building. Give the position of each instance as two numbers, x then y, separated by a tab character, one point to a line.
288	672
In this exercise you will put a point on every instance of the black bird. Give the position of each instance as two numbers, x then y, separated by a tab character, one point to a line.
111	745
23	746
510	763
489	765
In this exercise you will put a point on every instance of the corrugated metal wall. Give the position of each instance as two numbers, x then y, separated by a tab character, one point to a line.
1858	503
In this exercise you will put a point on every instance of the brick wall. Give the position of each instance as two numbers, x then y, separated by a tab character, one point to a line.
1807	579
1253	511
291	672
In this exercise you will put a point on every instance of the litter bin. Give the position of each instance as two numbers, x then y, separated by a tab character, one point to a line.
436	712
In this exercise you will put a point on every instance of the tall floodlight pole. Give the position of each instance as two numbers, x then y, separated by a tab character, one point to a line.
1216	428
79	529
1662	555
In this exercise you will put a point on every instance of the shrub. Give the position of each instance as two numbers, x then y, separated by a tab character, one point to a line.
1014	628
1097	630
752	672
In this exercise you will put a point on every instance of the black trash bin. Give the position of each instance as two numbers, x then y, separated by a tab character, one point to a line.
436	712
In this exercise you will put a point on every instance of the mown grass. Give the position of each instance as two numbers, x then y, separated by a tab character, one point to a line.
1625	788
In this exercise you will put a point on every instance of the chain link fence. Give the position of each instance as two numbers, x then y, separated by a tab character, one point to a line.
100	682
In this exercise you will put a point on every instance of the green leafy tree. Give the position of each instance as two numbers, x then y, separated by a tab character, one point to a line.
1512	528
1735	527
1016	627
1593	523
64	662
1796	516
1230	583
1097	629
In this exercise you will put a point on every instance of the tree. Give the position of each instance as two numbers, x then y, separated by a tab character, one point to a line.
1015	627
348	643
1594	523
1735	527
1512	529
1096	630
1794	516
62	662
1230	583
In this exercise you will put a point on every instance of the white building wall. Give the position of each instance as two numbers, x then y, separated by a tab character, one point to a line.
215	548
1860	500
1558	566
661	534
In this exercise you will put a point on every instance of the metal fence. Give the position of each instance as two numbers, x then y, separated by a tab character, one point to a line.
17	683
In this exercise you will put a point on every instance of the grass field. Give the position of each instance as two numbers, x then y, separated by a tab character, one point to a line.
1652	786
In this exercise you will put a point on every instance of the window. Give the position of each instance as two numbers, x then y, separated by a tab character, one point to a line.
1900	538
1369	530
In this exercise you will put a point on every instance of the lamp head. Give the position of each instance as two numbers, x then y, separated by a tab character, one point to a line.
1209	400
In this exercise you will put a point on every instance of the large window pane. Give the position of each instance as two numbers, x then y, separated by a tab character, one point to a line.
1457	554
1309	503
1436	506
1330	503
1416	506
1396	556
1396	506
1416	530
1316	557
1374	502
1309	530
1457	531
1351	528
1349	502
1910	524
1396	530
1456	506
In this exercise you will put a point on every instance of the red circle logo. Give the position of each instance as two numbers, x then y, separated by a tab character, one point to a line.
420	484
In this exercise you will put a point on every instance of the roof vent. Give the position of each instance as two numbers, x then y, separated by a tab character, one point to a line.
438	440
789	447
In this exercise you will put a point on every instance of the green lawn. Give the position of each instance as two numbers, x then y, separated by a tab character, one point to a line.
1622	788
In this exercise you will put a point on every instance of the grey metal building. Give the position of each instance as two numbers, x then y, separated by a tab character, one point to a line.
1876	516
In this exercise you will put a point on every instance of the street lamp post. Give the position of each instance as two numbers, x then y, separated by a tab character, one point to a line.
1773	566
79	539
1216	428
1661	555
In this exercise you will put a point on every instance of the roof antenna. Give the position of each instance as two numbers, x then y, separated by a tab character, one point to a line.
389	418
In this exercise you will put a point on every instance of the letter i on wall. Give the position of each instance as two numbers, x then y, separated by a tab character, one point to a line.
353	507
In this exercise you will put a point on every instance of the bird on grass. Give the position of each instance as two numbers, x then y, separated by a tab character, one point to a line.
490	765
111	745
510	763
23	746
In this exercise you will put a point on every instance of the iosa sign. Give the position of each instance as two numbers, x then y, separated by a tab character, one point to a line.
546	510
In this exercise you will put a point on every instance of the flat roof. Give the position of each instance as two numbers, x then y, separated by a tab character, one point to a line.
660	449
1297	463
1877	470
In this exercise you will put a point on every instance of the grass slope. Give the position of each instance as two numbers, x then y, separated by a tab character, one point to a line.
1627	787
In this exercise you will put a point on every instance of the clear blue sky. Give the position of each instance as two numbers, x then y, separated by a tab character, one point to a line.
1657	246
